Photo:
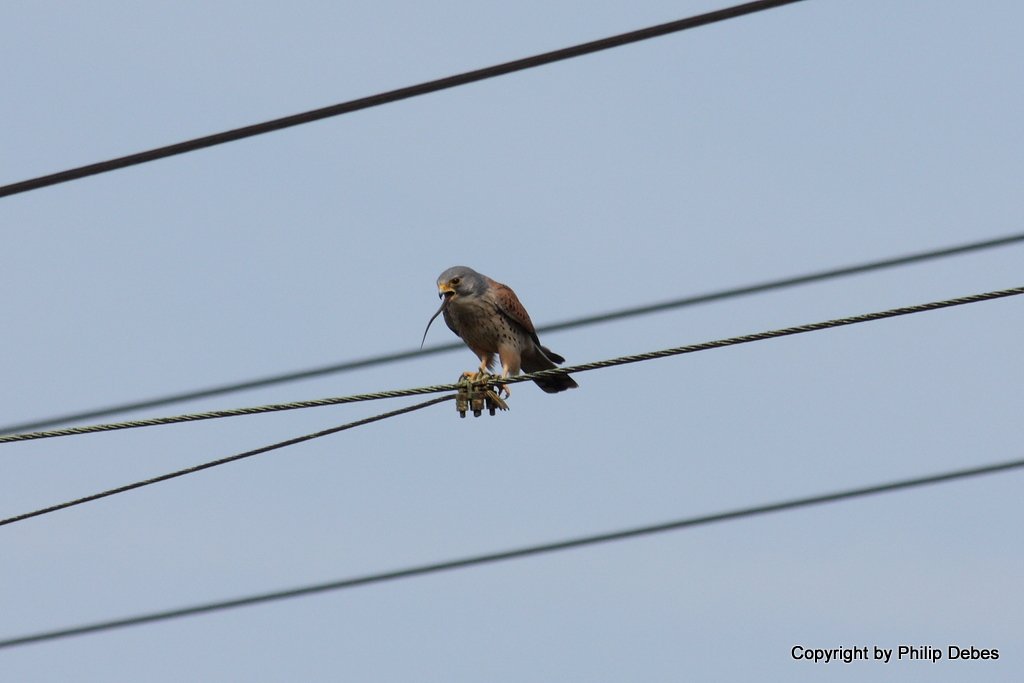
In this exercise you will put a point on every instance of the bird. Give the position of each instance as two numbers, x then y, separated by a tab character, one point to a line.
488	317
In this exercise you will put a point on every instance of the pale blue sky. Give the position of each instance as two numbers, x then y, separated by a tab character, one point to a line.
811	136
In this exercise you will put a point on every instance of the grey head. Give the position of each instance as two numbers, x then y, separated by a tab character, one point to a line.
461	281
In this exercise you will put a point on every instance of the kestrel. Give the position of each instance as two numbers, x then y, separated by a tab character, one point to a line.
487	316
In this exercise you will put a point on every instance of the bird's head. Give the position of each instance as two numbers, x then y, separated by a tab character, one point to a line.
457	281
460	281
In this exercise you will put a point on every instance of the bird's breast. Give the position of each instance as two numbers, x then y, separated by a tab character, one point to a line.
482	326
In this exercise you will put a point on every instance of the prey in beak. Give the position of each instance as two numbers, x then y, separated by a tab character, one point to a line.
444	292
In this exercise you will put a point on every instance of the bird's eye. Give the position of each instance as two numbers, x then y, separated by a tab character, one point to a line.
456	280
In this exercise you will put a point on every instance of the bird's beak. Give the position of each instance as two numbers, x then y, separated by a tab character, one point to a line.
445	290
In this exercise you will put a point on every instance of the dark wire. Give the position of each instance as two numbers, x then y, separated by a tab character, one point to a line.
393	95
584	367
221	461
517	553
620	314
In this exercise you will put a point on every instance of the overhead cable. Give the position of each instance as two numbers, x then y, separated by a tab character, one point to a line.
585	367
609	316
220	461
517	553
393	95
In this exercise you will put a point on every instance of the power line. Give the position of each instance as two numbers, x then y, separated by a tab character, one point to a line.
782	283
394	95
232	412
596	365
517	553
609	316
221	461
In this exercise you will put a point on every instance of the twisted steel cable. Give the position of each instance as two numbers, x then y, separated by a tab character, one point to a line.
585	367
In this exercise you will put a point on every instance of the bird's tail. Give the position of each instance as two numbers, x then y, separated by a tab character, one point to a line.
546	360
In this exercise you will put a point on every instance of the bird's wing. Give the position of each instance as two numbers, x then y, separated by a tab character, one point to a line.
509	306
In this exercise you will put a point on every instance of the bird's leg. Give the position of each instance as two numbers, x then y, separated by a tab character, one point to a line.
478	376
509	367
485	363
481	375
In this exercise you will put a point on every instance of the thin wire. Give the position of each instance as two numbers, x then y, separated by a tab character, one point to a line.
526	551
761	336
620	314
221	461
232	412
393	95
585	367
